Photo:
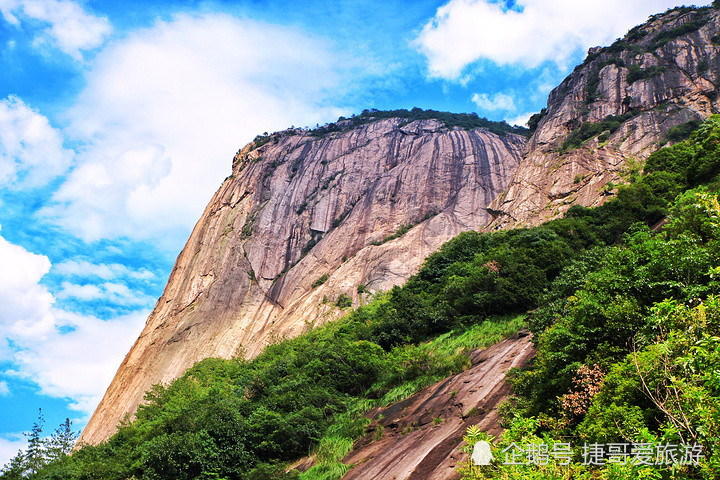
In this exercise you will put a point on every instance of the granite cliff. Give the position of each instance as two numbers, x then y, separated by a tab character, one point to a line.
623	103
305	224
309	222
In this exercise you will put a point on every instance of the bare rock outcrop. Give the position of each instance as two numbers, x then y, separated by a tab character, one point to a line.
661	75
310	220
420	437
301	223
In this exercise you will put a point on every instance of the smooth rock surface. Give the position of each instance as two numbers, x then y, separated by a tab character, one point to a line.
294	209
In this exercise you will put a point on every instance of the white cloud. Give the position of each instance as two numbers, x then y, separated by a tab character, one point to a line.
31	150
166	108
66	355
464	31
521	120
113	293
80	364
24	304
499	101
10	444
4	389
81	292
83	268
68	26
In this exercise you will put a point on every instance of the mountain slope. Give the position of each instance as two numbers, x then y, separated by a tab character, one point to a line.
312	220
302	222
621	104
421	436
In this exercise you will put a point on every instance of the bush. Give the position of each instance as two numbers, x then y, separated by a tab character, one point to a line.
636	72
323	278
681	132
343	301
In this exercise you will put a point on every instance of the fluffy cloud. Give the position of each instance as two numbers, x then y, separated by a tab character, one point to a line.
166	108
67	355
25	305
83	268
499	101
521	120
464	31
113	293
68	25
10	445
31	150
79	358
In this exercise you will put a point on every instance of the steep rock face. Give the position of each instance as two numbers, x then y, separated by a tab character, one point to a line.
422	435
661	75
299	209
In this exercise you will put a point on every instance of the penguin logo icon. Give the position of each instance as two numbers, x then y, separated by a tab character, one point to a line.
482	455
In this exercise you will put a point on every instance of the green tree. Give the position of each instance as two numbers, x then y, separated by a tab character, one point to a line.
36	454
62	441
15	469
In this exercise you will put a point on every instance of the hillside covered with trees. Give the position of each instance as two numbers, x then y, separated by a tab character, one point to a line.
625	318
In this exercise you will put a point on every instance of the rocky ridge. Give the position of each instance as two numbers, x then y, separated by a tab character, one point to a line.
304	224
638	93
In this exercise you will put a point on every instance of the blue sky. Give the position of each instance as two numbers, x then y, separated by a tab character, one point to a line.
118	120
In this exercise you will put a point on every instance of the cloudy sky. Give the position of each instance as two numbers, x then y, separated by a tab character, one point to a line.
118	120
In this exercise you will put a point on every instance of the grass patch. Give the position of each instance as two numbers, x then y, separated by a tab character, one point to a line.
450	348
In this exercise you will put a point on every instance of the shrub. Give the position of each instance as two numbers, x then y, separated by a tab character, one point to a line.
323	278
343	301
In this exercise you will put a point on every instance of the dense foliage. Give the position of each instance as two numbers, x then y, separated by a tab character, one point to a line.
466	121
609	298
643	314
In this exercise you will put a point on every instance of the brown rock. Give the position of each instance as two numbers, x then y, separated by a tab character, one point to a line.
679	85
422	435
298	208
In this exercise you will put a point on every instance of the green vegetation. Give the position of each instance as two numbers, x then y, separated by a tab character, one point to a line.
41	452
588	130
535	120
261	140
628	334
591	88
405	228
636	72
400	232
248	226
666	36
626	323
343	301
323	278
465	121
681	132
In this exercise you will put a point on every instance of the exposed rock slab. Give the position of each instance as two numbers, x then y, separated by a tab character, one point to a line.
297	208
422	435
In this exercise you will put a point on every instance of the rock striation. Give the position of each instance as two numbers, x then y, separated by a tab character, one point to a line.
301	223
420	438
311	221
638	91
